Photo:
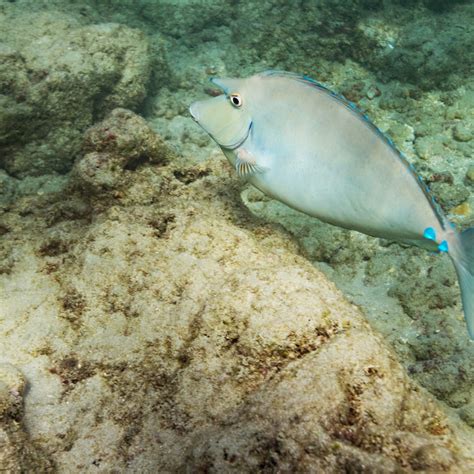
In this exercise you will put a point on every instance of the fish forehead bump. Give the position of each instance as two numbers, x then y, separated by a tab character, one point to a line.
262	82
252	88
228	85
262	89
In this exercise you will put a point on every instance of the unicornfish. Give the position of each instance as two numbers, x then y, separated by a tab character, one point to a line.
300	143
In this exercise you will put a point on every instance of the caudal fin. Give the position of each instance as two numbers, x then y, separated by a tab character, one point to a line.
465	269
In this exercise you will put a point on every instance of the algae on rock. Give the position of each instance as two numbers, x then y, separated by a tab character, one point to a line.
169	328
57	77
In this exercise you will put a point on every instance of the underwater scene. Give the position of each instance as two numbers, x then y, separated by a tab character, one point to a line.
269	271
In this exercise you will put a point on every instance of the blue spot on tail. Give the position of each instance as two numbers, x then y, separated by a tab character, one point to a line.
429	233
443	246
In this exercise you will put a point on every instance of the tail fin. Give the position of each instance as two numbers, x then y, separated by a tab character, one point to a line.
465	270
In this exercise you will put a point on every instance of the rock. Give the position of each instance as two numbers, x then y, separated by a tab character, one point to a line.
334	420
98	172
12	387
426	295
56	78
419	48
467	414
463	209
432	458
449	195
428	147
17	453
122	141
202	341
7	188
470	174
129	136
462	133
372	92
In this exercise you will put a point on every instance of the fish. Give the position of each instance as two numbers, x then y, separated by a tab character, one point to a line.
310	148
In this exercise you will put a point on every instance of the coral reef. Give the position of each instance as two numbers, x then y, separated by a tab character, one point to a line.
431	51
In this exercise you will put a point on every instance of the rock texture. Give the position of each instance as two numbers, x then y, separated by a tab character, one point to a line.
17	452
170	330
123	140
57	77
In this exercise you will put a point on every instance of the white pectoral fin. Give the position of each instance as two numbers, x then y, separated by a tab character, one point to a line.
246	164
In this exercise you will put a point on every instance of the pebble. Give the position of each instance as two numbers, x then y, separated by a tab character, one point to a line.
461	133
373	92
470	174
423	148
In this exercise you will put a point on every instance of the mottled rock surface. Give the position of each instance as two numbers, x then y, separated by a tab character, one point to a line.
57	77
123	140
169	329
17	452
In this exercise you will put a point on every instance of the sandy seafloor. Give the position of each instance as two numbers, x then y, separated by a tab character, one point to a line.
159	315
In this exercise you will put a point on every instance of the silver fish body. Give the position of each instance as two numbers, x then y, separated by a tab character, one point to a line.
300	143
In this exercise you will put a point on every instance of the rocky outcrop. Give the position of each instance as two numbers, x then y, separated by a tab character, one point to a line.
170	329
57	77
123	141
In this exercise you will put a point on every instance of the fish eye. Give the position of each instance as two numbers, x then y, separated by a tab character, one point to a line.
236	100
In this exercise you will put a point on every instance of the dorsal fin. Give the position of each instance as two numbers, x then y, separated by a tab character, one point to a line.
358	113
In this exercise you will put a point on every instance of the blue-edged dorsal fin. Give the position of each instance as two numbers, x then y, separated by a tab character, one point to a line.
358	113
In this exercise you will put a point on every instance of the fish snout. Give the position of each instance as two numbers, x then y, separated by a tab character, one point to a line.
194	112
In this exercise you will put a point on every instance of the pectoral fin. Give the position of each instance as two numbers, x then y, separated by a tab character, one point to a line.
245	163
